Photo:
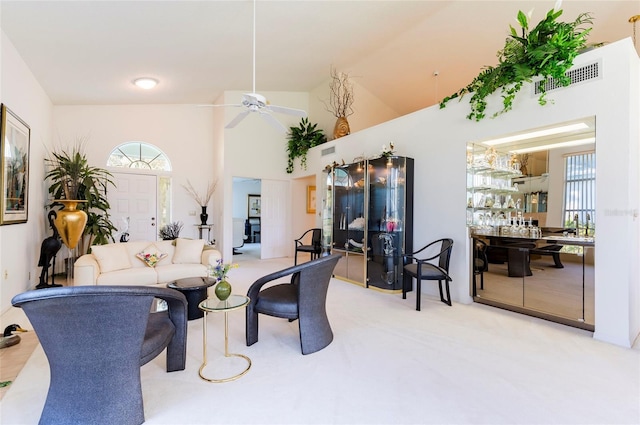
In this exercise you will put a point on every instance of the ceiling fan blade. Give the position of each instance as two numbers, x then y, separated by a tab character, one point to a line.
274	122
212	105
288	111
237	119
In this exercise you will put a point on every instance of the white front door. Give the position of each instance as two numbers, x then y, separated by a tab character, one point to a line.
275	235
134	200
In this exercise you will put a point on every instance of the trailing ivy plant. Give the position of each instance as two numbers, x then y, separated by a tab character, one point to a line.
300	140
548	50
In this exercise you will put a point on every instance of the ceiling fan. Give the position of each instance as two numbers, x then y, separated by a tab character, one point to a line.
254	102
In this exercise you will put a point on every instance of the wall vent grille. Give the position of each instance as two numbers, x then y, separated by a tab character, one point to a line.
584	73
328	151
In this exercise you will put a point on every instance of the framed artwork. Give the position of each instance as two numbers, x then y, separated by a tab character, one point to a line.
311	199
254	206
15	137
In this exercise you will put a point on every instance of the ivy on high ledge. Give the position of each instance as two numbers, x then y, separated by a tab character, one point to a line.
547	51
299	140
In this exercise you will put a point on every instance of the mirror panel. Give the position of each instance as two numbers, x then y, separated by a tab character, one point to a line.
529	254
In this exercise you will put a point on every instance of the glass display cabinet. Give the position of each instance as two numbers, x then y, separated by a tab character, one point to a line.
368	219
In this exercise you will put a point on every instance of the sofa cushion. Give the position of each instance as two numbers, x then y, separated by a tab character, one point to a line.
188	251
111	257
166	246
133	276
151	255
133	248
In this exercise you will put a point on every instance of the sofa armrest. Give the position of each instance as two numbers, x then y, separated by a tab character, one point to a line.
210	256
86	270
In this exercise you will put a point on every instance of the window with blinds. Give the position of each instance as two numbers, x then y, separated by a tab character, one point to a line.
580	191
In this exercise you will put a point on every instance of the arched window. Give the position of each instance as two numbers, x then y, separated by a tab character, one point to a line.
139	155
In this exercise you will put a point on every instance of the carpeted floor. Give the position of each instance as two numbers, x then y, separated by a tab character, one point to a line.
388	364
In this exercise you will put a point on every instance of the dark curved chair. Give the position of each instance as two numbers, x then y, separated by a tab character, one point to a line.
518	259
303	298
480	263
96	338
315	248
422	269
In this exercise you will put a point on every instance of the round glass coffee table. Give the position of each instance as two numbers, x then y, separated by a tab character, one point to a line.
214	305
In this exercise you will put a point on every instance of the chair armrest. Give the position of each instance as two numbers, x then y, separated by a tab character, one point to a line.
177	310
210	256
86	270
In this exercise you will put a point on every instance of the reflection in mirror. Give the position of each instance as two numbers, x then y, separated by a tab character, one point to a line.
531	212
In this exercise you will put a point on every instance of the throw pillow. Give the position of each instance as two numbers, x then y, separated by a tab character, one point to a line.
150	256
111	257
188	251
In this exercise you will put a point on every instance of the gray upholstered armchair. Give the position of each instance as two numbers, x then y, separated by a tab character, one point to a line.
303	298
96	338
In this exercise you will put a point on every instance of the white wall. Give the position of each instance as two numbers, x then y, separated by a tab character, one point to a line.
253	149
368	109
20	243
183	132
437	138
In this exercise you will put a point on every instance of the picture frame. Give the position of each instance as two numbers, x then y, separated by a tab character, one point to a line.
311	199
253	206
15	140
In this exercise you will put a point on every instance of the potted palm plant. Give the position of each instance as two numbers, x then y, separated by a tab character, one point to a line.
81	187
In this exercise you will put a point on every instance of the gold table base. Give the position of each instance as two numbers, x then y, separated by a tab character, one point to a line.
226	352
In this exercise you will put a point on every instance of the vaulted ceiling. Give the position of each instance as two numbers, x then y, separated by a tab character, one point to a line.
409	54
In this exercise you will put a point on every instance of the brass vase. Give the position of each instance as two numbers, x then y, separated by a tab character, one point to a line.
70	222
341	128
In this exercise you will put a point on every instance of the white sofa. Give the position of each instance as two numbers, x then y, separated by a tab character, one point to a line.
134	263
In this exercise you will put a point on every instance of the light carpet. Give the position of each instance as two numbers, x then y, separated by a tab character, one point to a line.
388	364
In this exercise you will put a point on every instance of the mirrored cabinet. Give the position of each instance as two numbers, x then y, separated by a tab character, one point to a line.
531	219
368	219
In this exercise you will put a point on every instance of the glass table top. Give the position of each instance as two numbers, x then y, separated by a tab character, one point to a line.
231	303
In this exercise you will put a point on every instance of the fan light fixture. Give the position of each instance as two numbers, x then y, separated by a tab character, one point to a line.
145	83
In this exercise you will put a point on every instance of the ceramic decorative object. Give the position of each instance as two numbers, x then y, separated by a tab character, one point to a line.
70	222
204	216
341	128
223	290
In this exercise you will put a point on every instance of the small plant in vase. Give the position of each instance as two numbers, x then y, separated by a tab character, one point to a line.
219	273
170	231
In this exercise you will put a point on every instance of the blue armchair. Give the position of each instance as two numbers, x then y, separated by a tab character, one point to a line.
96	338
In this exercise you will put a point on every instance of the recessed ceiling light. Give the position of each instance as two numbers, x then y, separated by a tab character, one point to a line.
145	83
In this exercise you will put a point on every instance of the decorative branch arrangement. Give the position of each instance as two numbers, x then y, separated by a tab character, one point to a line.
202	200
548	50
341	97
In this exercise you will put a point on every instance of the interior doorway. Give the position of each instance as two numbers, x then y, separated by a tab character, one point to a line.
247	219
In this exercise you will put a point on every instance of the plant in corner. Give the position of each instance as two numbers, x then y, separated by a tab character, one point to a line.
300	140
72	177
548	51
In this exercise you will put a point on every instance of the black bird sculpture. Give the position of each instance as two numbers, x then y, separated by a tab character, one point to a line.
8	339
48	251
